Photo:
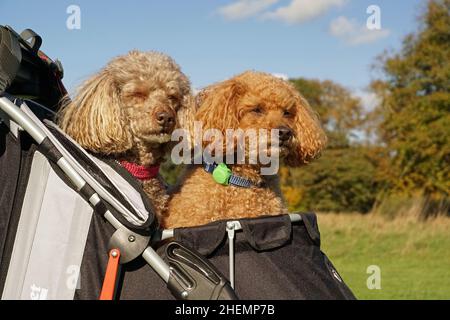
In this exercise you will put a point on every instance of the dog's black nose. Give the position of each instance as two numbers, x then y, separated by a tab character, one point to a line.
165	118
284	134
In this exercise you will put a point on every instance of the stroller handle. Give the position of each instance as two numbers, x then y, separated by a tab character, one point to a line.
14	112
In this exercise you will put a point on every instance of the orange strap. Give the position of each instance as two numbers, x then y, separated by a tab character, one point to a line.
109	282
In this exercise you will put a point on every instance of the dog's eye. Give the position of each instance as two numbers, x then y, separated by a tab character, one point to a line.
287	113
257	110
174	100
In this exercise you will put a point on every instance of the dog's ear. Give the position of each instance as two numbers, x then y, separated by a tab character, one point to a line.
187	107
218	105
95	117
309	138
186	112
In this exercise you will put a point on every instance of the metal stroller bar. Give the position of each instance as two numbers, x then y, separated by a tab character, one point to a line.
19	117
168	233
232	227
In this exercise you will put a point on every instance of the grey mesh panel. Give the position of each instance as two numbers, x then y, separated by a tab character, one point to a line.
50	239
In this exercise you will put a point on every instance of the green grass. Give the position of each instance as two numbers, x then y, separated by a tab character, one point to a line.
414	257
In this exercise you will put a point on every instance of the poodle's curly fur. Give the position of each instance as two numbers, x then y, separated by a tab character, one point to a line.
253	100
128	110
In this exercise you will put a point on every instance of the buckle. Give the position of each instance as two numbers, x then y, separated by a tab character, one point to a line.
209	167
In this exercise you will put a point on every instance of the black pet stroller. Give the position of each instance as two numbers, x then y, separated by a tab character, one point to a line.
74	226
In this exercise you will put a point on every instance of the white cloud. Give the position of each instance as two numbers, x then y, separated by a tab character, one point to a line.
341	27
355	34
299	11
281	76
242	9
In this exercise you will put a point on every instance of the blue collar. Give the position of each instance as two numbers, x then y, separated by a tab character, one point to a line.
223	175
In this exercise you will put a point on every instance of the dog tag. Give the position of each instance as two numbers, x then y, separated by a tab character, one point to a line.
221	174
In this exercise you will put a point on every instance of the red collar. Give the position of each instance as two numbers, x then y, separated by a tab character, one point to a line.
140	172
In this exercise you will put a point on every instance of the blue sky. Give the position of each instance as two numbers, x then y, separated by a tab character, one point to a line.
213	40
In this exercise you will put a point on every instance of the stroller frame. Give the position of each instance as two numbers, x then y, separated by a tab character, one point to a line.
130	243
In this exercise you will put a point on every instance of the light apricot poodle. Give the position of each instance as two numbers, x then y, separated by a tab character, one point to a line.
251	100
127	112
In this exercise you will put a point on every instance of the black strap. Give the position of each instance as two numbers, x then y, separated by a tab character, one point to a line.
310	221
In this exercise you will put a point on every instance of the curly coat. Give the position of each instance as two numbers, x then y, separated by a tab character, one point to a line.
251	100
128	110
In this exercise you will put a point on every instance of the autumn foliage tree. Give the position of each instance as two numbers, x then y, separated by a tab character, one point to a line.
409	165
412	120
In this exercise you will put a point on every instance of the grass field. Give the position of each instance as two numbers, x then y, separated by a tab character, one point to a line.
414	257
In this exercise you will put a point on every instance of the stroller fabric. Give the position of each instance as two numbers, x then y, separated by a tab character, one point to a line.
274	260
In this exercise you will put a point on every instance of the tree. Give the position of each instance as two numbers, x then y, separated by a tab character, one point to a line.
413	117
342	180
